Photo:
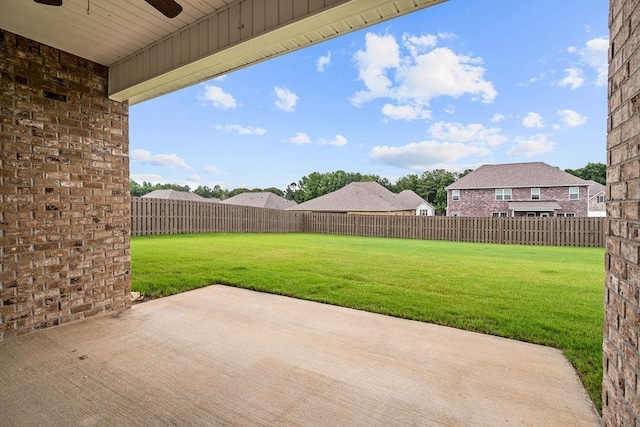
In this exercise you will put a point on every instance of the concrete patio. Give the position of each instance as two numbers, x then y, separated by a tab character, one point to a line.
226	356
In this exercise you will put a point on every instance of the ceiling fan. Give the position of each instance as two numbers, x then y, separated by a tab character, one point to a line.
168	8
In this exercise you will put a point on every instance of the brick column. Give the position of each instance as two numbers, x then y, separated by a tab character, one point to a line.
64	171
621	361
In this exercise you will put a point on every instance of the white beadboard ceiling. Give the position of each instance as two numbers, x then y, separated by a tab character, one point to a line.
149	54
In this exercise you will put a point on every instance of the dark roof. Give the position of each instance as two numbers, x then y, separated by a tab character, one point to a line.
264	199
513	175
362	197
178	195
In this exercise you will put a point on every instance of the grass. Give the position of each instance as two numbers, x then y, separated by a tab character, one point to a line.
544	295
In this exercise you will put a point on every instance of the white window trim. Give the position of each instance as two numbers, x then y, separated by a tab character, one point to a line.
455	195
499	214
537	193
600	196
501	194
576	193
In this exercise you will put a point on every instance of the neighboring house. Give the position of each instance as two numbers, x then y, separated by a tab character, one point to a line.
264	199
518	189
368	198
178	195
597	206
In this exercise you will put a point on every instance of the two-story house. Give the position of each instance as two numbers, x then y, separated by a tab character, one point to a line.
518	189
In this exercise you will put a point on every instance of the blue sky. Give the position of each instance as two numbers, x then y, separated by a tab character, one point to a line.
453	86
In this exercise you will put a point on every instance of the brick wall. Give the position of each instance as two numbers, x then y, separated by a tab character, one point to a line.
483	202
64	170
621	361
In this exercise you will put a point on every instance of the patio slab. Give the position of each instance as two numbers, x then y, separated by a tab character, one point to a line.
226	356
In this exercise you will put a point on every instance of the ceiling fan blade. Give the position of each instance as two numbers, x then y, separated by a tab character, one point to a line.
168	8
50	2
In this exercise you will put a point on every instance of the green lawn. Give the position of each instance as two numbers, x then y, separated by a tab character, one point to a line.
544	295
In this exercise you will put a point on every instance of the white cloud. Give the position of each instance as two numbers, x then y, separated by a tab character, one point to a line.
594	55
420	156
406	112
300	138
148	177
571	118
323	62
166	160
419	44
211	170
381	53
474	134
195	178
338	141
574	78
533	120
218	97
531	146
532	80
242	130
285	99
418	73
450	109
497	118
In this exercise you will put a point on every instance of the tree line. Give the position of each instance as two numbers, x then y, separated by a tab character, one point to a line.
430	185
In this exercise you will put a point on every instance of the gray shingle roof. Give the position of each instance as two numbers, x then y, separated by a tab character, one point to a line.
178	195
595	188
260	200
513	175
362	197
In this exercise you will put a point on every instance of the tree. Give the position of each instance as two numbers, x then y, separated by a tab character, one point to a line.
215	192
135	189
138	190
592	171
409	182
237	191
431	187
275	191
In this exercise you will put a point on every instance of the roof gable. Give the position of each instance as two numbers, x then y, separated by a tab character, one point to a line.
263	199
362	197
595	188
513	175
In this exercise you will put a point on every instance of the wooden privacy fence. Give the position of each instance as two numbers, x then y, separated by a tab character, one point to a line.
524	231
159	216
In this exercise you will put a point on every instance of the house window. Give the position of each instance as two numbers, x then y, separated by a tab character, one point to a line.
456	213
531	214
499	214
424	212
455	194
535	194
566	215
601	198
503	194
574	193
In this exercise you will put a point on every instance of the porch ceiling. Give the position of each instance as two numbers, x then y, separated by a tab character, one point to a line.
149	54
